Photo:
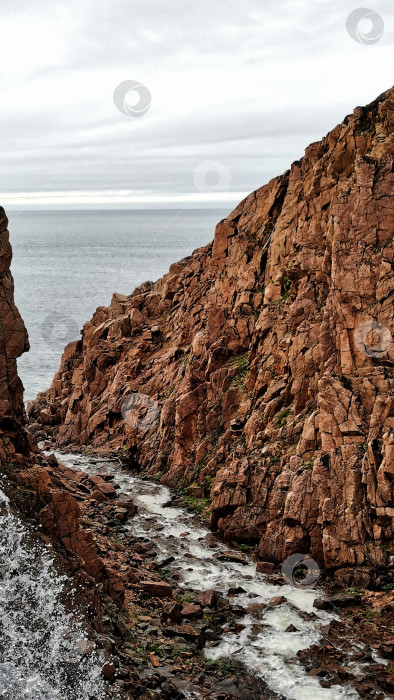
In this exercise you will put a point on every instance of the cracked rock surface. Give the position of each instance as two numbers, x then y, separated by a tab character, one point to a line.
269	357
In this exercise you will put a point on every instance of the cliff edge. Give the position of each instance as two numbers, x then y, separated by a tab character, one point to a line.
258	373
13	342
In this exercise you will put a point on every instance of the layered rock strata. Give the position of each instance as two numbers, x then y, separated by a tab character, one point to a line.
267	360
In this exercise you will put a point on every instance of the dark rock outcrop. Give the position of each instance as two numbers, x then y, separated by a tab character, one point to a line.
13	342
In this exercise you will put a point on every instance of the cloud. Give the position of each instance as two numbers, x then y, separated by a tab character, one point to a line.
248	84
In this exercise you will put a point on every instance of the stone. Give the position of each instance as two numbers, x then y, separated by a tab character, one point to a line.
172	611
265	567
191	611
278	600
338	601
208	599
155	661
160	589
109	671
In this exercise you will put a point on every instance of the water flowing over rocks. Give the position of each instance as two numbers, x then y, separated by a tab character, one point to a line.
44	652
269	355
214	600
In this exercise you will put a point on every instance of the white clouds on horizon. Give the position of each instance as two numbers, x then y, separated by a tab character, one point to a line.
246	86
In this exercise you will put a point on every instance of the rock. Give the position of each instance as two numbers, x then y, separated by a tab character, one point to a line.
338	601
109	671
255	609
386	650
162	563
278	600
160	589
186	631
208	599
235	590
85	646
172	611
231	556
191	611
278	332
265	567
155	661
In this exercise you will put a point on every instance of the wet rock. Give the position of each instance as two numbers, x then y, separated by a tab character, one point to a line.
235	590
339	601
278	600
265	567
256	609
157	588
109	671
386	650
207	598
231	556
162	563
191	611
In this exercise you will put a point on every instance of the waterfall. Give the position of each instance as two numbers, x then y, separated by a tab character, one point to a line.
41	642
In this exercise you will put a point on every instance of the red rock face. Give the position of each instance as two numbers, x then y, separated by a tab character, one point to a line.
13	342
269	355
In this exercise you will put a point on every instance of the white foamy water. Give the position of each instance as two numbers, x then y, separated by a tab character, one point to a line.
263	645
40	641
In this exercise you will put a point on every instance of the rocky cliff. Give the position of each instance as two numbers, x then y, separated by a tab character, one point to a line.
258	373
13	342
42	489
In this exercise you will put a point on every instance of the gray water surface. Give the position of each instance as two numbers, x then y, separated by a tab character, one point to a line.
67	263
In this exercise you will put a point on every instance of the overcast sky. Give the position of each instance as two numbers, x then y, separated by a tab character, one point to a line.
238	90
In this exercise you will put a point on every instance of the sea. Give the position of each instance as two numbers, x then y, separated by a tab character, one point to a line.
67	263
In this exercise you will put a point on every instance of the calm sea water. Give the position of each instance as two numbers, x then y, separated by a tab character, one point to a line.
66	263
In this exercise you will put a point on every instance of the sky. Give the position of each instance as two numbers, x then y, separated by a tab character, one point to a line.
232	93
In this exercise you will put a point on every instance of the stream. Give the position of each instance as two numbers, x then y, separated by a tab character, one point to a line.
271	653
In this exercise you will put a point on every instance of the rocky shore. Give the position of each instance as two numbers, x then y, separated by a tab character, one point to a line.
256	380
260	369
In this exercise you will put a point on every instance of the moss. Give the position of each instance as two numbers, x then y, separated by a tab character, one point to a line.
186	360
240	363
225	667
241	547
197	504
286	283
280	302
281	418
